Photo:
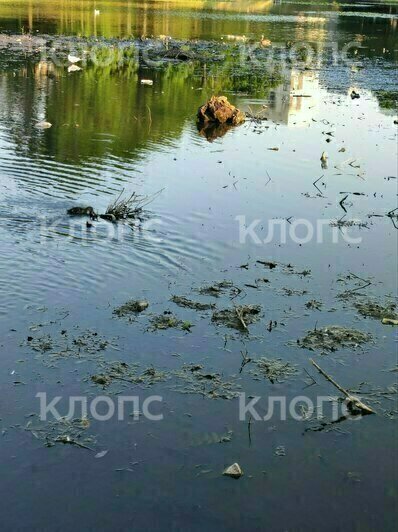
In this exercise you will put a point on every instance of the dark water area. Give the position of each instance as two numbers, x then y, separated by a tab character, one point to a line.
328	228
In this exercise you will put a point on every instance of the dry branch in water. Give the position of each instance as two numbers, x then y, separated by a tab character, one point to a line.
129	206
352	402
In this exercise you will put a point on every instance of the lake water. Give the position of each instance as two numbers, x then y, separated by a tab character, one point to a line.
60	280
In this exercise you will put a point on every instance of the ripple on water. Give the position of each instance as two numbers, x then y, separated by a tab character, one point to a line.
44	253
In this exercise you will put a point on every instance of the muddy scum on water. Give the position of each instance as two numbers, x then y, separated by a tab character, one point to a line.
264	244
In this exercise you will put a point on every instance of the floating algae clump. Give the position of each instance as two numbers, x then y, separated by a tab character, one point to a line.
216	289
193	380
63	430
332	338
131	307
182	301
166	321
238	317
127	373
372	309
275	370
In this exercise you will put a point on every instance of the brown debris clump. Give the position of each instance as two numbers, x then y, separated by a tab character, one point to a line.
219	110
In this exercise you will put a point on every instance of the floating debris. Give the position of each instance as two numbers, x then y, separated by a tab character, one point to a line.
219	110
134	306
294	292
101	454
290	269
268	264
167	320
354	404
233	471
374	310
238	317
88	345
211	438
127	373
216	289
280	451
348	223
332	338
182	301
42	343
128	206
63	430
389	321
313	304
103	380
382	398
210	385
275	370
81	211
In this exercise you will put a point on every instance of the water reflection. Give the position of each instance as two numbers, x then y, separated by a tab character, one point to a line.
295	101
279	21
94	112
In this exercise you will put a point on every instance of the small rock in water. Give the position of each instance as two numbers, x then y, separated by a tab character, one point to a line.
233	471
146	82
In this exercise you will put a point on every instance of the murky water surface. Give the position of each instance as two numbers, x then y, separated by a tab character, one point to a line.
60	280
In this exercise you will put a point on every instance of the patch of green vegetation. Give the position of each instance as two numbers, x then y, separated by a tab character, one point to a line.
167	320
387	99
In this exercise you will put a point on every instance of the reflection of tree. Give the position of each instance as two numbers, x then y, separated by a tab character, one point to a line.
377	35
104	108
236	73
97	101
126	18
